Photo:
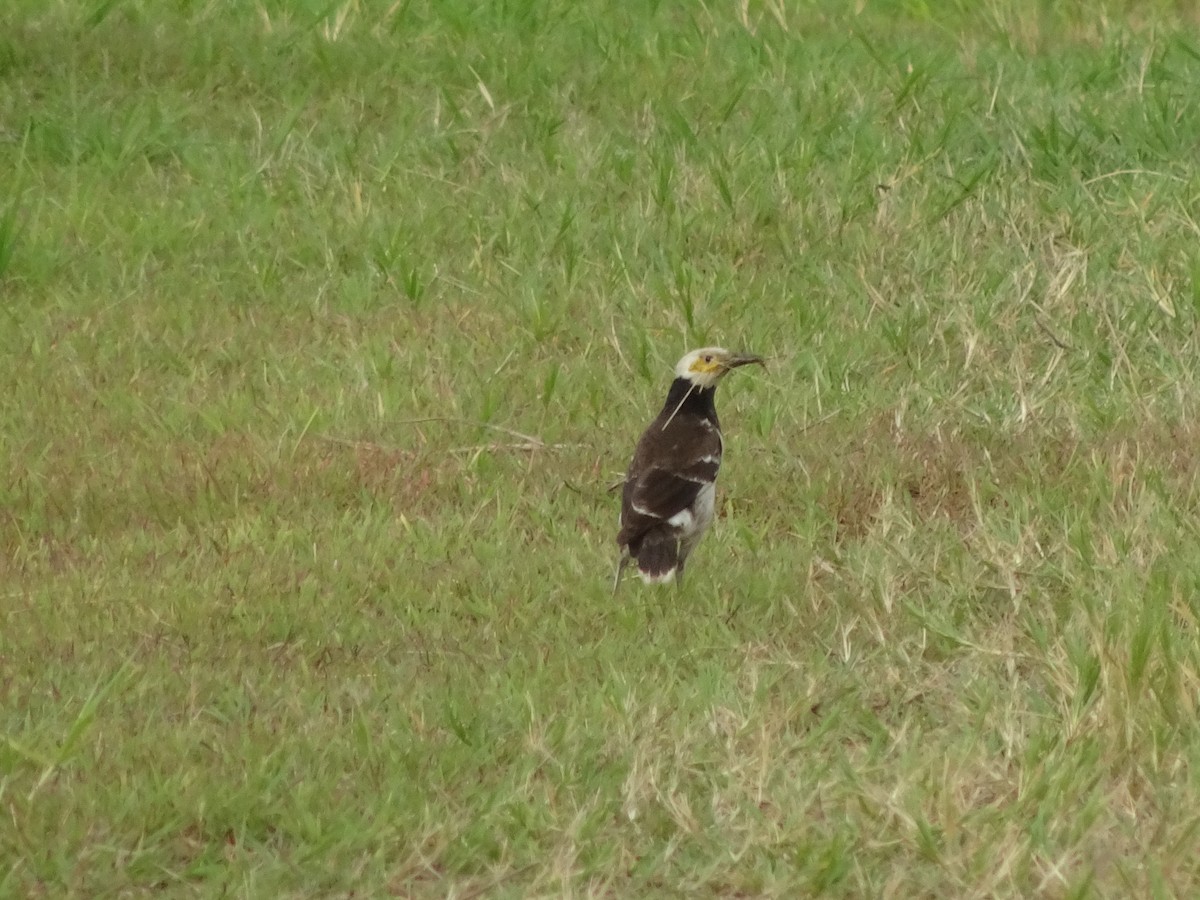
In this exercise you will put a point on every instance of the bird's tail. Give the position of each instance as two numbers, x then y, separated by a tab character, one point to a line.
658	557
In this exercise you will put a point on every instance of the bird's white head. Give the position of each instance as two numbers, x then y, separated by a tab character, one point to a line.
707	366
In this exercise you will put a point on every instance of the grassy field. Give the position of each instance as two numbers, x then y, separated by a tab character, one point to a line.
326	328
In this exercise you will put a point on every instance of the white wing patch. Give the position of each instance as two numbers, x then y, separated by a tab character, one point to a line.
682	519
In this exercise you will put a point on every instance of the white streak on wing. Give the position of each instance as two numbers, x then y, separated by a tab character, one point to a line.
643	511
710	458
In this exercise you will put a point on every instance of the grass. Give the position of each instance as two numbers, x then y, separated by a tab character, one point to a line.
329	325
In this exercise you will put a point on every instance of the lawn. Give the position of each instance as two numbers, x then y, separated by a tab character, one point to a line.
327	329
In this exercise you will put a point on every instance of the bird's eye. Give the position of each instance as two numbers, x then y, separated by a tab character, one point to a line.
708	358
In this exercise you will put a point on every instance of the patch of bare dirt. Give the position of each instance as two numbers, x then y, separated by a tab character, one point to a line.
947	473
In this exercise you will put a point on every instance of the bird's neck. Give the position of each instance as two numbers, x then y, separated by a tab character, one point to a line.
685	399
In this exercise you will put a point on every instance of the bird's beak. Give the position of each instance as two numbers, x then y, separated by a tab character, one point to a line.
744	359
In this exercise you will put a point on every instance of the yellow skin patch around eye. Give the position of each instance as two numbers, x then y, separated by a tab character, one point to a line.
710	364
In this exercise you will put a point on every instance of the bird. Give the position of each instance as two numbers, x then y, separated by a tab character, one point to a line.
669	495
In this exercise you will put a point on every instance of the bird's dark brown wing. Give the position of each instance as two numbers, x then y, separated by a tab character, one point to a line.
669	468
651	499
